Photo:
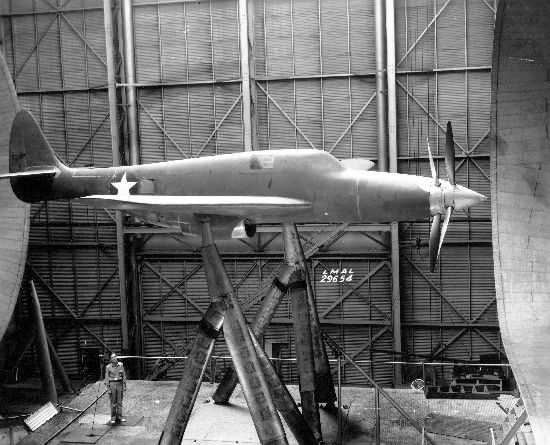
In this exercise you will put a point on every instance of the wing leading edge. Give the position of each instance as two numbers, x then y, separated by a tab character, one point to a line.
219	205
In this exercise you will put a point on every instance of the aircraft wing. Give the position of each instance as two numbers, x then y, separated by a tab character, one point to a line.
219	205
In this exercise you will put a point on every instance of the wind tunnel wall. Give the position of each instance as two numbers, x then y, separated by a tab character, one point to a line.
520	198
14	214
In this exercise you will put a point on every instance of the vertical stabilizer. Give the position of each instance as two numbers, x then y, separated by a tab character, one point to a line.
29	149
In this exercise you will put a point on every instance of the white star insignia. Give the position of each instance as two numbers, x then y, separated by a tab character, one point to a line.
124	186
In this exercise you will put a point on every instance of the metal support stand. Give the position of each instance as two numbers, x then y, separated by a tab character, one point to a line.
304	352
42	346
224	310
284	402
340	426
193	373
262	320
323	377
59	369
377	410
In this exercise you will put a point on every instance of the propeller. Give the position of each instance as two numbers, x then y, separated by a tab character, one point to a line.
436	234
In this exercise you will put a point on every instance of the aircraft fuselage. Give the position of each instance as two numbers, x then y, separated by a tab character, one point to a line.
336	193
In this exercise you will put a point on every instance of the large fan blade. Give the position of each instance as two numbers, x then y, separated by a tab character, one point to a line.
432	165
450	154
434	240
445	225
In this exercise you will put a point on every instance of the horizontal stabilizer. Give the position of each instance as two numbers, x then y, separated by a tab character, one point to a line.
357	163
47	171
219	205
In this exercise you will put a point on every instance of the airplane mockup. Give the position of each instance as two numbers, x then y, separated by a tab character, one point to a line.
238	191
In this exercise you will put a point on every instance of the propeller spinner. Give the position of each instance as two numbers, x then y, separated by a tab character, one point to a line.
446	196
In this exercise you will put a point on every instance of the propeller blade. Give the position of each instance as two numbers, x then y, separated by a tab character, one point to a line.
445	225
432	165
435	230
450	154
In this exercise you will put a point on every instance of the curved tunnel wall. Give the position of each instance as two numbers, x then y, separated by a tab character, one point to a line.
521	198
14	214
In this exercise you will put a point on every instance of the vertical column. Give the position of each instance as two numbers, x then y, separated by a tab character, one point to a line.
252	68
46	370
394	227
245	72
390	71
381	104
115	144
130	71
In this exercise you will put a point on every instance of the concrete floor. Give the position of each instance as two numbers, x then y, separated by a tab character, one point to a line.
147	405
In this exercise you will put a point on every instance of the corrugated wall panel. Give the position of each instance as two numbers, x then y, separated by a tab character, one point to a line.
151	137
225	39
451	35
27	75
305	34
94	33
199	42
364	131
276	127
278	43
147	45
480	24
229	137
49	52
336	109
74	52
201	106
412	19
334	37
309	117
361	29
173	35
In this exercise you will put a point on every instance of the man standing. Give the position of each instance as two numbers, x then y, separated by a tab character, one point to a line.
115	381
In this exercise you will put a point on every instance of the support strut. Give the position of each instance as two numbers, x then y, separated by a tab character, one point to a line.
323	377
301	321
284	402
225	311
193	373
46	371
263	318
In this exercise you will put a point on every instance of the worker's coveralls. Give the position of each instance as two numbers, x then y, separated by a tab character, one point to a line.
115	380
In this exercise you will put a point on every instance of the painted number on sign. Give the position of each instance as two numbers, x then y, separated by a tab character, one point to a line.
337	276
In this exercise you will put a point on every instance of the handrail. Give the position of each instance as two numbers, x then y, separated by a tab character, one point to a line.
337	348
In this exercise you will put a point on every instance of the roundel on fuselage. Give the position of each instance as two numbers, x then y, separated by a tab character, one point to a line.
124	184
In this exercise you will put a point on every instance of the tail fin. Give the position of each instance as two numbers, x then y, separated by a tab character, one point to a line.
29	150
33	163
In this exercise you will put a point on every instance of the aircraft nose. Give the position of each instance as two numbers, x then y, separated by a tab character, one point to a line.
464	198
